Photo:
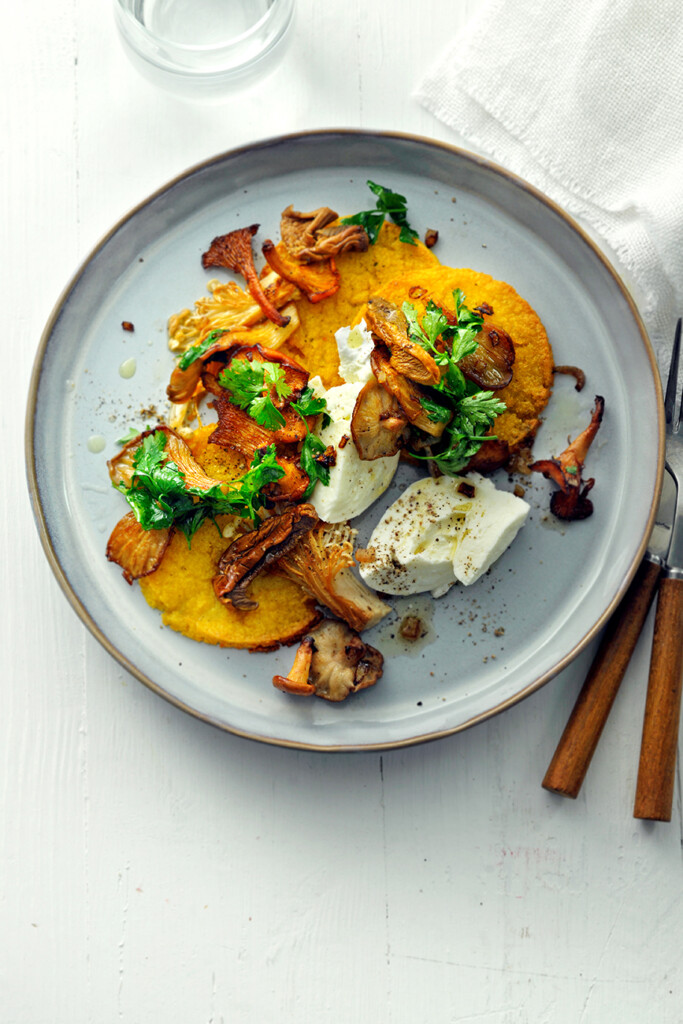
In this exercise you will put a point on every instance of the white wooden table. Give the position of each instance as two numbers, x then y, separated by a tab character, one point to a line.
156	869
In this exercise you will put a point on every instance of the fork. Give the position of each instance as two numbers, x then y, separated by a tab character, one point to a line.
657	767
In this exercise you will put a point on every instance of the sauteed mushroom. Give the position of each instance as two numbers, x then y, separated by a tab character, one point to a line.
405	392
492	455
490	365
311	237
571	501
332	662
388	323
378	423
252	552
317	281
234	252
137	551
322	564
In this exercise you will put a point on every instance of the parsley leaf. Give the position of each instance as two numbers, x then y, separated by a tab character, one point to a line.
160	497
437	412
312	455
312	449
195	351
251	385
467	431
388	203
310	405
263	410
130	435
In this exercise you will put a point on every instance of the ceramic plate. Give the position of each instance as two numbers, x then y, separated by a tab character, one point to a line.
487	646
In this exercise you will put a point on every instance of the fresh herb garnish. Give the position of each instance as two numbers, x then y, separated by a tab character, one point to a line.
130	435
313	448
388	204
251	386
467	431
308	404
468	411
312	462
195	351
438	412
160	497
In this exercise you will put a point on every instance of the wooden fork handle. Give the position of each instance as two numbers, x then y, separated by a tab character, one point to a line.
657	769
572	757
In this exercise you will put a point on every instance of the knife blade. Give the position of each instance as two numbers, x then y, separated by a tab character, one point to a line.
582	732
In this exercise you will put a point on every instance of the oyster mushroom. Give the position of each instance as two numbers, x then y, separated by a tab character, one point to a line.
388	323
234	252
322	563
332	662
490	365
252	552
405	391
311	237
137	551
378	423
571	500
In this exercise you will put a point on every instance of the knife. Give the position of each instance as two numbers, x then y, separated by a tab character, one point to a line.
657	766
577	744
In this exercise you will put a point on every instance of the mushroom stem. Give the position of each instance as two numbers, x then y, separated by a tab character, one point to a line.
571	501
297	680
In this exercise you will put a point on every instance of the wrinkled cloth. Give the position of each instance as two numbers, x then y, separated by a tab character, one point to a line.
585	101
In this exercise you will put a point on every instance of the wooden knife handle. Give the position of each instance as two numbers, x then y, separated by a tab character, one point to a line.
657	769
572	757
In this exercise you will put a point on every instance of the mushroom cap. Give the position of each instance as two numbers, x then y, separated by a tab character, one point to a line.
490	365
342	663
405	391
389	324
252	552
378	422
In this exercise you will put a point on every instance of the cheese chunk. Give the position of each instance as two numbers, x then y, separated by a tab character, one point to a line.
441	531
354	345
354	484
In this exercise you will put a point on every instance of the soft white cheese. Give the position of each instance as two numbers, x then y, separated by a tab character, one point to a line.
354	345
354	484
434	535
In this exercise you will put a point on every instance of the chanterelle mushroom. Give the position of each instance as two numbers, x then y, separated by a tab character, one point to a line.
249	554
311	237
234	252
331	663
317	281
571	501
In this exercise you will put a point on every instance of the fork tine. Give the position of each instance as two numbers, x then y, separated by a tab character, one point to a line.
672	379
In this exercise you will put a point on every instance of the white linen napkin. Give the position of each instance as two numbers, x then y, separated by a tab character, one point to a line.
585	101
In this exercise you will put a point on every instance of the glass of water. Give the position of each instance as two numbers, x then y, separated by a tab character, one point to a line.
200	49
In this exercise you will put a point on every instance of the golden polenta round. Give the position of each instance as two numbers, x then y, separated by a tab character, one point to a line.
527	394
182	589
